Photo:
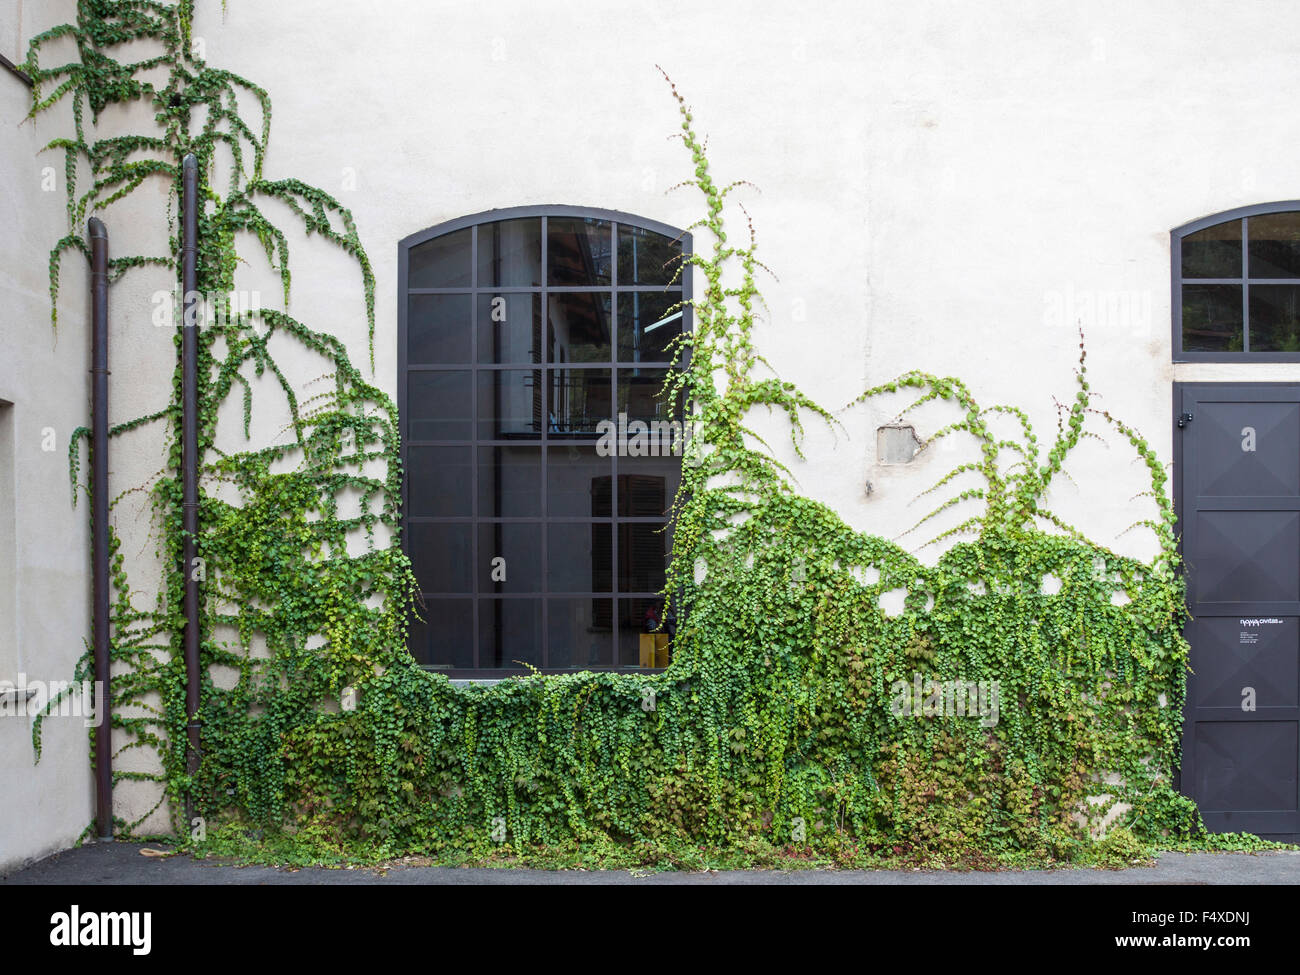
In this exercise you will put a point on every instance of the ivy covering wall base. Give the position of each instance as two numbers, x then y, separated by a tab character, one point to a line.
797	722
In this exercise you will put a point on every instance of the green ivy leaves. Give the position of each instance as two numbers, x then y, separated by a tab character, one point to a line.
774	733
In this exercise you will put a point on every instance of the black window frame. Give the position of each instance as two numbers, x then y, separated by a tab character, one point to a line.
1244	280
545	289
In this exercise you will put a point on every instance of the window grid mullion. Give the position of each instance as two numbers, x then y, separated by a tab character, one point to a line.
559	289
622	364
545	374
473	435
616	604
1242	280
1245	284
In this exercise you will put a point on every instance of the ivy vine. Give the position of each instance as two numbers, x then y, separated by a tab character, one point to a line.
773	733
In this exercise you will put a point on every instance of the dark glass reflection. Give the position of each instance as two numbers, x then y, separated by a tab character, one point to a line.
443	262
438	329
444	638
641	396
510	328
638	621
1274	318
1274	249
577	482
1212	318
510	254
1214	252
440	556
438	482
510	404
579	401
578	251
579	327
509	482
510	632
645	257
438	405
647	485
580	632
647	322
509	557
642	555
579	557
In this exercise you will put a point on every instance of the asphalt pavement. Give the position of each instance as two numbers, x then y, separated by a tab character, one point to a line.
124	863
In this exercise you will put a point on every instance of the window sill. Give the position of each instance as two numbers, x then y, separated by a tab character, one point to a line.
476	680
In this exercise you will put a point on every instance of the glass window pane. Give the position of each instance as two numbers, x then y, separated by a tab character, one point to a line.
543	384
509	482
510	328
578	251
510	404
580	633
438	405
642	555
639	630
510	632
440	556
510	254
1274	318
438	329
577	482
641	397
1274	247
647	485
1214	252
438	482
645	257
579	557
579	401
1212	318
443	262
647	322
509	557
580	328
445	638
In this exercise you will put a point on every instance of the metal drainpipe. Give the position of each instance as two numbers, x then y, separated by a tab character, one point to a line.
190	459
99	525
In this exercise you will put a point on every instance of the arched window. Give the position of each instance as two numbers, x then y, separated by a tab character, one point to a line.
1236	278
540	456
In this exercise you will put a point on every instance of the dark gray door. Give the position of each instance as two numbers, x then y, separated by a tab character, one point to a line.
1237	456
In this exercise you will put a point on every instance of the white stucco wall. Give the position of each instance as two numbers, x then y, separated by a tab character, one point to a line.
45	602
945	186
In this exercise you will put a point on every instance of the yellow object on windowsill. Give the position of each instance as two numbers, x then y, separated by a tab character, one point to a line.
654	650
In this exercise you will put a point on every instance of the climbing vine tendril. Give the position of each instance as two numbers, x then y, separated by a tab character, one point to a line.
773	734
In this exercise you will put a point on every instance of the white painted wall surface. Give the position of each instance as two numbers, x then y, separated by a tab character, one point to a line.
46	599
944	186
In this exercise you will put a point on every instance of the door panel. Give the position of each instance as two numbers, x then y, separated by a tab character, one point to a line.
1238	493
